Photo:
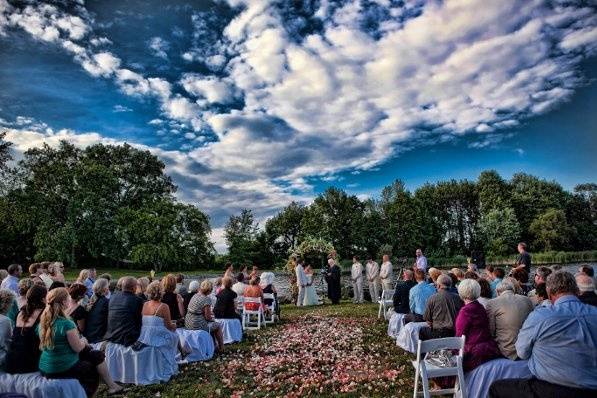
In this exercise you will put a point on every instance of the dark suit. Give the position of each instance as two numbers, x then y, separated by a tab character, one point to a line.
97	320
332	277
124	318
401	301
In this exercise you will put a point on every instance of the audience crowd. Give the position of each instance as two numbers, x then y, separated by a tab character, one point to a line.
49	325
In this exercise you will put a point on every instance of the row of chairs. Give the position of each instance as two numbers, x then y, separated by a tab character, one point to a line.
254	319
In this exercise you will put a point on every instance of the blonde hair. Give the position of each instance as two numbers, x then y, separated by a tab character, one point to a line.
206	287
434	273
142	284
83	275
54	268
6	299
458	272
56	304
168	283
98	291
154	291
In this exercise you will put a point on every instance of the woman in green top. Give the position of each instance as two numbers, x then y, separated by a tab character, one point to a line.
66	355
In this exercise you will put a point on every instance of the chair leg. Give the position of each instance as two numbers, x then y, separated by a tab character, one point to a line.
461	383
425	381
416	389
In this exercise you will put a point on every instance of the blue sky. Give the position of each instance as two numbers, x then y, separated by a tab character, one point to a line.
255	104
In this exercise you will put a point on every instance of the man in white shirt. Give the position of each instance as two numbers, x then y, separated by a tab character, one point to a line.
357	280
301	282
11	282
386	273
240	285
372	269
421	262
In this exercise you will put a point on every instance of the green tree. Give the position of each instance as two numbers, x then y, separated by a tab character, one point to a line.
399	219
494	192
240	233
283	230
551	230
501	230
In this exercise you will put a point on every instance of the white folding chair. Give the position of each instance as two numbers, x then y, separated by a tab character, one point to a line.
240	307
248	313
427	370
270	316
385	302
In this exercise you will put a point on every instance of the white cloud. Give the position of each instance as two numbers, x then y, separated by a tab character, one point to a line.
101	64
214	90
121	108
159	47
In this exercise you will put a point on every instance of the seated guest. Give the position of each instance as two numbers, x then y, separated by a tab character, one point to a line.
587	270
485	294
541	275
229	272
586	288
35	271
255	291
506	315
455	282
158	329
89	281
254	272
523	279
459	274
11	282
56	273
417	297
96	321
471	275
124	314
559	342
83	276
217	287
3	274
24	286
75	310
142	284
171	299
496	278
180	287
225	307
400	299
267	286
434	273
200	316
440	311
23	354
240	285
7	298
65	355
541	298
191	291
472	322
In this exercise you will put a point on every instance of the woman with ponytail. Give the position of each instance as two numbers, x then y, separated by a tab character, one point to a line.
23	355
66	355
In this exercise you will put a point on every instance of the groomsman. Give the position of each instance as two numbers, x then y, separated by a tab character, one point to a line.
372	270
357	280
301	282
386	273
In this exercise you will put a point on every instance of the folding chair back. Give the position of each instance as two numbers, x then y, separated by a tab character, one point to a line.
385	302
250	312
270	315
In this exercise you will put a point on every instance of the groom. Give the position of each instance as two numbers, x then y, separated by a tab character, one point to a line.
301	282
332	277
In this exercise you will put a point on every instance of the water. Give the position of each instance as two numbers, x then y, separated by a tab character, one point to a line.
282	280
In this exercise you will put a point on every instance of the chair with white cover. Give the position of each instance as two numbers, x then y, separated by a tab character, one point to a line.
408	337
395	325
248	313
34	385
270	315
199	341
479	379
385	302
232	330
240	304
427	370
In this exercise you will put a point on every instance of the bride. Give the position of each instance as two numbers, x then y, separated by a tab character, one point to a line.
310	293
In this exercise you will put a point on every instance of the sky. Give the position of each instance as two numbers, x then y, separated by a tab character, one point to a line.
254	104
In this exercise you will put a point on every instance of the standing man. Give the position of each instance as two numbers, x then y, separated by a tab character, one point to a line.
357	280
332	277
11	282
301	282
524	258
372	270
386	273
421	261
90	281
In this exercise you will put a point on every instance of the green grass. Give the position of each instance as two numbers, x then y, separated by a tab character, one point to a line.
215	378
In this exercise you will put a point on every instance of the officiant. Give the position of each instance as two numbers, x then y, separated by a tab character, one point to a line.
332	277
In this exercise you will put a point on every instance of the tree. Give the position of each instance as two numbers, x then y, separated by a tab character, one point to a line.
5	156
501	230
336	217
240	233
283	229
399	219
551	230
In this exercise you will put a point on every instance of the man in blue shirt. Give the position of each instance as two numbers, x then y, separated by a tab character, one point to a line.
11	282
560	342
498	277
90	281
418	296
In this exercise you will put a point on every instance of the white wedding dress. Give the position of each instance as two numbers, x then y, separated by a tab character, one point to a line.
310	293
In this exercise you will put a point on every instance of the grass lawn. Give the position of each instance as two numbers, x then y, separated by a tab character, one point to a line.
318	351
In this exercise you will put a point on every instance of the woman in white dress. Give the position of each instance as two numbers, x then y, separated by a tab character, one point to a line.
310	293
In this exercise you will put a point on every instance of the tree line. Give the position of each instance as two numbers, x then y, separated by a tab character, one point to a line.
103	205
446	219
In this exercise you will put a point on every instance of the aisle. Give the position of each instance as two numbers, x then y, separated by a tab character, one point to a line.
320	351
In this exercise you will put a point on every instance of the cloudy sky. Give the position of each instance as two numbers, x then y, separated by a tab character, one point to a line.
255	103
